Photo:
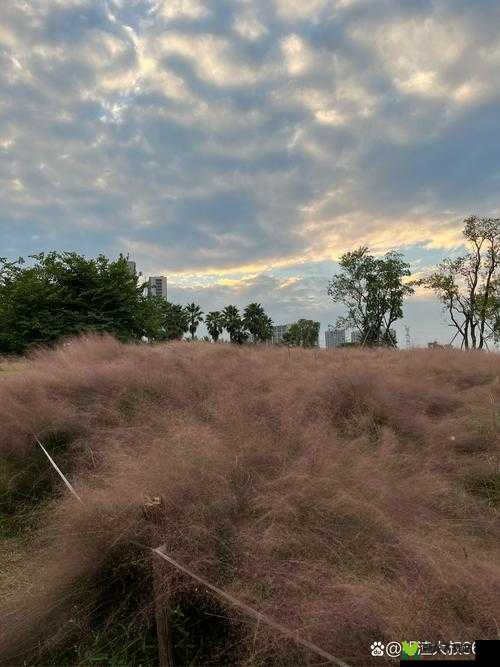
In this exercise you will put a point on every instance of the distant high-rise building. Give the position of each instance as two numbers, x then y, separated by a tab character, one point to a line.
407	337
356	337
131	266
279	330
157	286
334	337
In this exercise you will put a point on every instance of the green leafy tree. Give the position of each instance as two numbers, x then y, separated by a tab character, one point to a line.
195	317
373	291
469	286
175	320
303	333
215	324
234	325
258	323
63	293
151	317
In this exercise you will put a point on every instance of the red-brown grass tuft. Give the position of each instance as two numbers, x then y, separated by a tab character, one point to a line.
351	495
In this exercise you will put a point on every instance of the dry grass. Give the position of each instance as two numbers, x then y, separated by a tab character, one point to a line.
350	494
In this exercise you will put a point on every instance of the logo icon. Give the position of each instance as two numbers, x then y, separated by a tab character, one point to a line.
410	650
377	648
393	649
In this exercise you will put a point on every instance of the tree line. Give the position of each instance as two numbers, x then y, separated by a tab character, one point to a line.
61	294
252	325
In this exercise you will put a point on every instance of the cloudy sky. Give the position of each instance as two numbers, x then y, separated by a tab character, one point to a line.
241	146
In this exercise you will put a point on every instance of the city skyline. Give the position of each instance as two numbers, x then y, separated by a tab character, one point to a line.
241	147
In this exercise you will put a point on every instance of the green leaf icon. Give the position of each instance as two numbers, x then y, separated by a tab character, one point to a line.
410	648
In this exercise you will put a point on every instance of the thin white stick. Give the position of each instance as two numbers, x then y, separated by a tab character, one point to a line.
60	473
252	612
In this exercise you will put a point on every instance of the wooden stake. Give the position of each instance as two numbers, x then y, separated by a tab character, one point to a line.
165	653
153	511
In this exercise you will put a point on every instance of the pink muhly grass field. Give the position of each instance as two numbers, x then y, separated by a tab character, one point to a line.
352	495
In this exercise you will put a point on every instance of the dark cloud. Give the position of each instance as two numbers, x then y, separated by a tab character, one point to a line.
70	25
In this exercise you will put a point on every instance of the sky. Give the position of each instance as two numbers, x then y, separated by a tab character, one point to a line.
239	147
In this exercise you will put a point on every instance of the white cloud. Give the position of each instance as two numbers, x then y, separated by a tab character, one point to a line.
185	9
336	104
248	27
212	57
431	57
298	55
292	10
416	51
8	37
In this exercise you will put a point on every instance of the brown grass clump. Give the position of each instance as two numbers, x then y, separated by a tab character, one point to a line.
351	495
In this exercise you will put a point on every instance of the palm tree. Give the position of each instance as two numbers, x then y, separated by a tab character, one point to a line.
195	316
257	322
175	319
215	324
234	324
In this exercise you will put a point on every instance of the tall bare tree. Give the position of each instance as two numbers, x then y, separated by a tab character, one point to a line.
469	286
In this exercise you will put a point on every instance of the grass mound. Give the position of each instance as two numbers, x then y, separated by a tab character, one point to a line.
350	495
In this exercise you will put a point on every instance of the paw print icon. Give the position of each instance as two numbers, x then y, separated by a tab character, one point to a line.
377	648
